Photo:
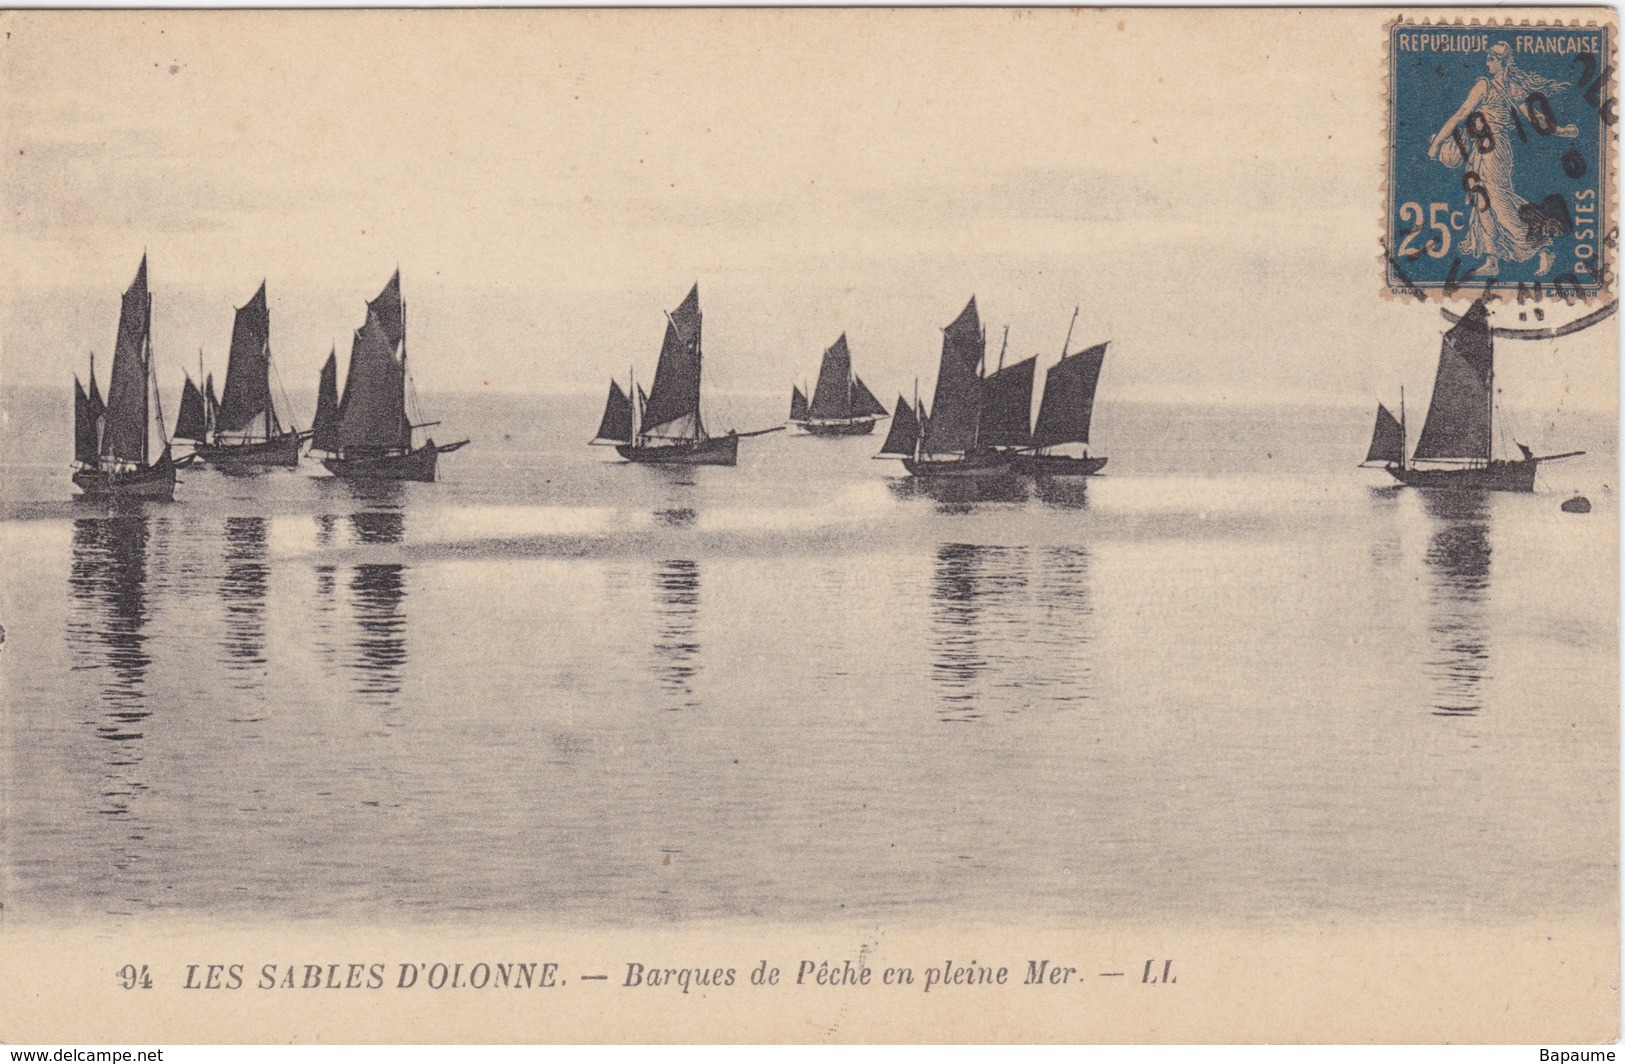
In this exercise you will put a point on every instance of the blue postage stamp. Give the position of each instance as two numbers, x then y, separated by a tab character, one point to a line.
1499	151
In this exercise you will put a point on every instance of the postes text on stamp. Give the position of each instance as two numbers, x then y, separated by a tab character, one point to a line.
1498	159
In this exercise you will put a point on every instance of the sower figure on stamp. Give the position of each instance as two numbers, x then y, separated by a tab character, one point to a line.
1498	226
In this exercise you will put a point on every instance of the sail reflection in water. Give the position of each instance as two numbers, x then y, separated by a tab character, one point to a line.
961	593
377	591
1058	664
107	632
959	495
677	647
108	582
1011	628
1458	560
242	590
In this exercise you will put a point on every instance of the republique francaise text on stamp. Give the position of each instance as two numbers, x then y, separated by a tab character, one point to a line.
1499	159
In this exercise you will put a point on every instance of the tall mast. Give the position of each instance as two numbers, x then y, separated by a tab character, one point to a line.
699	371
272	425
1003	346
1404	438
1068	341
406	381
919	434
146	368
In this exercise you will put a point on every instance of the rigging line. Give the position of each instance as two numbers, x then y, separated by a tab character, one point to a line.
287	403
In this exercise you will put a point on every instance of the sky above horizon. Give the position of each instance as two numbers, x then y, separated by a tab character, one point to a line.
1205	185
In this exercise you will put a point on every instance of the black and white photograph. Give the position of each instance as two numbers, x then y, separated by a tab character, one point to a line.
809	525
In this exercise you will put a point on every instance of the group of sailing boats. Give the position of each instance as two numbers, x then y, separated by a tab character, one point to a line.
1456	445
979	424
365	435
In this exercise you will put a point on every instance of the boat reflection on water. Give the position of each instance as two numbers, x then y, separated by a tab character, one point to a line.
1062	493
378	526
968	582
1058	666
1458	562
108	583
677	647
107	634
377	594
242	593
1011	627
958	495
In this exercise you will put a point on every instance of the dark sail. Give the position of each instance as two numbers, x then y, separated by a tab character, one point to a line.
1458	421
84	425
391	313
616	427
864	403
247	392
325	431
1007	404
957	401
798	405
125	435
97	407
904	432
1387	439
832	396
211	401
192	423
1069	398
675	394
372	414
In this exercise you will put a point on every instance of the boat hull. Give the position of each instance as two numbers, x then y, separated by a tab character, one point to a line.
279	451
843	427
1056	465
971	465
717	450
1497	476
418	465
155	482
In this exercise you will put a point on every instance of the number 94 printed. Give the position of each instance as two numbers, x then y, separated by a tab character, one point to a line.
1499	152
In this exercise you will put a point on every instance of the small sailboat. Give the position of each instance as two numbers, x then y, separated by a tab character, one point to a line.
950	442
367	434
665	427
195	418
842	405
112	442
241	430
1456	443
1064	414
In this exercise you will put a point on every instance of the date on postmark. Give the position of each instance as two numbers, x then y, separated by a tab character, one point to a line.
1499	157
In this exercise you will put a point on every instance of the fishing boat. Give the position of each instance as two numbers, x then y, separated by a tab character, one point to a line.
111	442
951	442
1064	414
842	405
367	434
1455	449
665	426
241	430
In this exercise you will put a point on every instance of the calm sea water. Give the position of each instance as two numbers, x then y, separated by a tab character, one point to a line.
1235	678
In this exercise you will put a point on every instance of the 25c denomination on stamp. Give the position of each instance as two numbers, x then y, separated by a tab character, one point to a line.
1499	157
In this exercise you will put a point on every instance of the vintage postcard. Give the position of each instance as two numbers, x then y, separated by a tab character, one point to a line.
1014	525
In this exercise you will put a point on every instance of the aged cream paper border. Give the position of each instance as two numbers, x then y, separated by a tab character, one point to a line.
1350	980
